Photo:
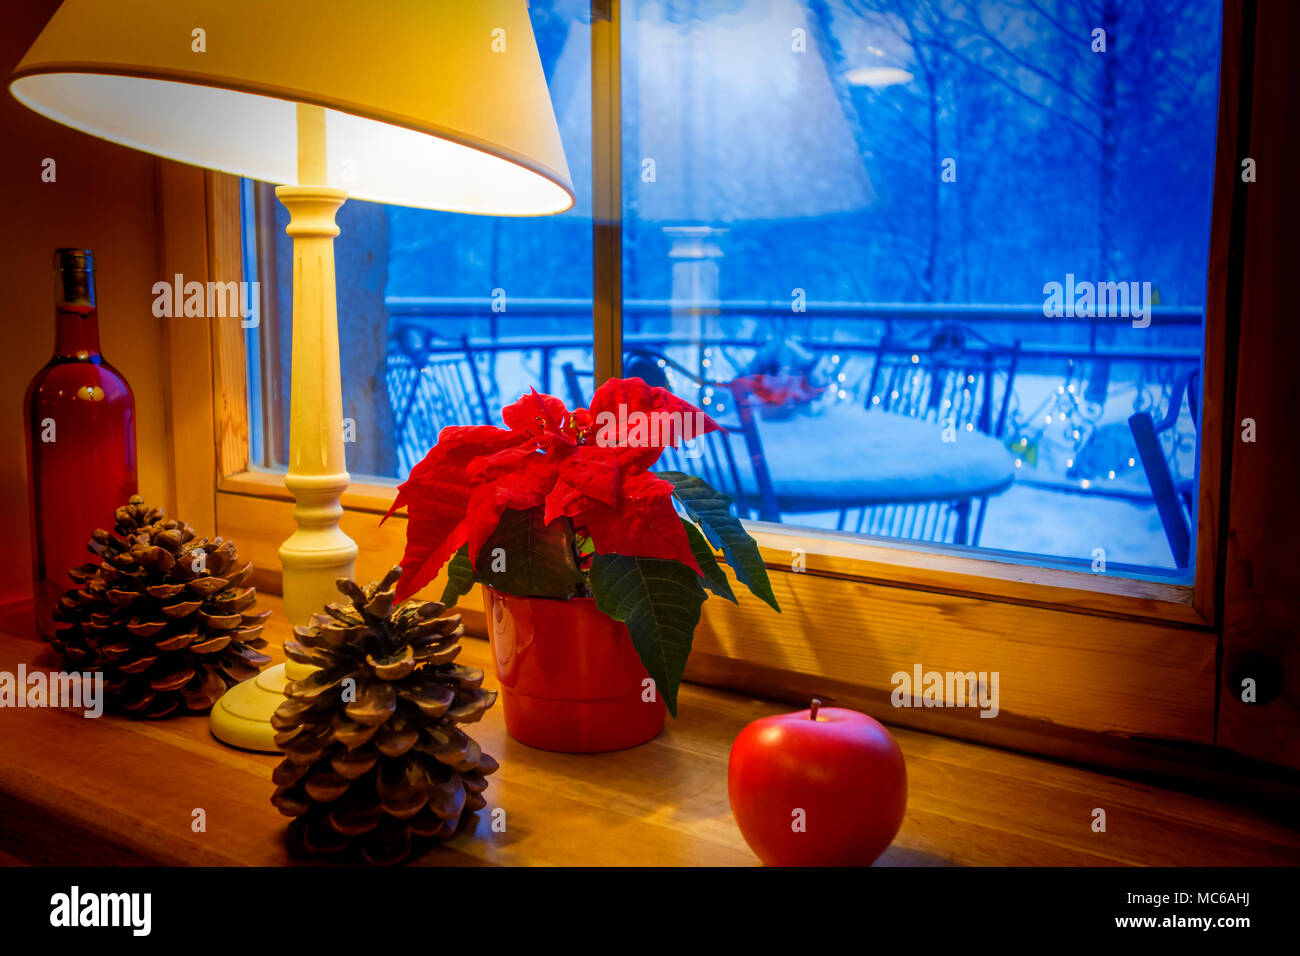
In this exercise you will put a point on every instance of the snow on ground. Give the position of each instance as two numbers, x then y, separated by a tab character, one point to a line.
1060	525
1040	521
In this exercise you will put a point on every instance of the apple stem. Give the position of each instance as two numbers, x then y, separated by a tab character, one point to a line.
816	706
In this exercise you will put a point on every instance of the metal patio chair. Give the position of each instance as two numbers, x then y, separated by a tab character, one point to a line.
1175	498
430	387
952	377
573	384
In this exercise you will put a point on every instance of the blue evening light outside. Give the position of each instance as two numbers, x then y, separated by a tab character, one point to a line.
856	207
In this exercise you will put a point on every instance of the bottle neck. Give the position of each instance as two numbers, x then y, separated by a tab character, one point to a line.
76	332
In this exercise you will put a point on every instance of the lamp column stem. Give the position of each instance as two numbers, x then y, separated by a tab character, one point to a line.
318	552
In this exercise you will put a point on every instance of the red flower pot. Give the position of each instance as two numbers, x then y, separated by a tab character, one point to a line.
570	678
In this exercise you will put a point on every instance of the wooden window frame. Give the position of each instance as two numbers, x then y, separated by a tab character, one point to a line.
1089	664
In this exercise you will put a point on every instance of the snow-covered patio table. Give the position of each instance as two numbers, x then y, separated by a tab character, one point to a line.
853	458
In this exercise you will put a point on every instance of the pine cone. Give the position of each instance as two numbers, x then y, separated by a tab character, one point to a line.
373	756
164	615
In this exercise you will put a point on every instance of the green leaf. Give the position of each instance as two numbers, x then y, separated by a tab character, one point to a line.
659	601
714	578
528	558
712	510
460	577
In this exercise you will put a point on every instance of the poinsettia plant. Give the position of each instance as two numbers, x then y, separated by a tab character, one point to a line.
562	504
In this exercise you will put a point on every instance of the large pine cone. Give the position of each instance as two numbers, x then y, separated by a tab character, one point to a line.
373	756
164	615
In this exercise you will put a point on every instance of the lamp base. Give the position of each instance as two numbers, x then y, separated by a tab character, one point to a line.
242	717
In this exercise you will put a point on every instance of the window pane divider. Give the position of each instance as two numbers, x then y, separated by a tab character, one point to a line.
607	190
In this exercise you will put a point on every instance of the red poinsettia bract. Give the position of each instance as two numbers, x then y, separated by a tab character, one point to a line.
590	466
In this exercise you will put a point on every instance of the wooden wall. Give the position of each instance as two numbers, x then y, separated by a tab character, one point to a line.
103	198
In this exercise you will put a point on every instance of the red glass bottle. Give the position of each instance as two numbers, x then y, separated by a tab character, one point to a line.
80	417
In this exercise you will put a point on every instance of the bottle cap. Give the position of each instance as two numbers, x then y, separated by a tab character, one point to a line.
74	259
75	269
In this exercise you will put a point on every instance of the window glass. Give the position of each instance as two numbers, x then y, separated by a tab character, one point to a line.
940	267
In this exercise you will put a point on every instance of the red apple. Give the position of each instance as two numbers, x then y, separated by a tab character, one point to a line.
821	787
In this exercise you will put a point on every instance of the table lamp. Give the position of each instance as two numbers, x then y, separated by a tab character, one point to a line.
438	104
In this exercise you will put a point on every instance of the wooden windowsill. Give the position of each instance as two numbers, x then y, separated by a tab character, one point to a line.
113	791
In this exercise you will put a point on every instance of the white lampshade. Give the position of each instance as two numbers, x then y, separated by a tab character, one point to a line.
438	104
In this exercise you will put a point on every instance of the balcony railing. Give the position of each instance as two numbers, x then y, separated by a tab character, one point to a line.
458	360
1174	333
